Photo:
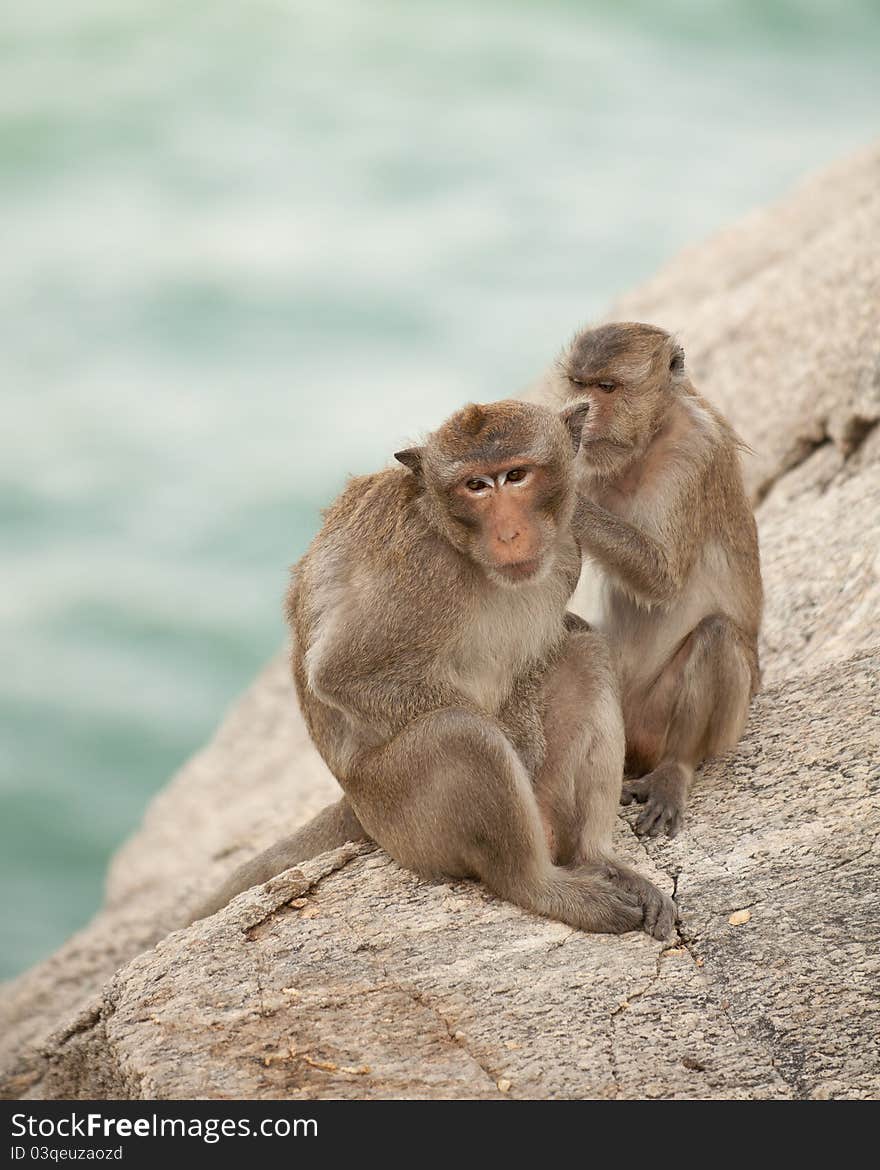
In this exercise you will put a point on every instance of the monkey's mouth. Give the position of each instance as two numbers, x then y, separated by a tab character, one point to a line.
598	450
519	570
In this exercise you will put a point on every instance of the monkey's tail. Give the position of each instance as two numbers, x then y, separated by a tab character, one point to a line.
332	827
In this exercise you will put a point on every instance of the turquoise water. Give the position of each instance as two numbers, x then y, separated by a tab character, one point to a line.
248	248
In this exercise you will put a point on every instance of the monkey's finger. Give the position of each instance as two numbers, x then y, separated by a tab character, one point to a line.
658	825
659	912
666	817
635	790
666	919
646	825
669	820
652	914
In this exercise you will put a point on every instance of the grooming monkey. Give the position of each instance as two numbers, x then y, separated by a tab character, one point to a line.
663	516
473	724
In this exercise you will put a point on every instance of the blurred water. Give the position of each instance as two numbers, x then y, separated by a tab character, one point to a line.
250	247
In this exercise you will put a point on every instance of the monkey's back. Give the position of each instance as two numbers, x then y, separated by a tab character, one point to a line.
723	569
376	552
730	518
370	599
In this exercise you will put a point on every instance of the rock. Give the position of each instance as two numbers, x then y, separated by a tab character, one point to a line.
780	319
349	977
258	778
444	991
819	530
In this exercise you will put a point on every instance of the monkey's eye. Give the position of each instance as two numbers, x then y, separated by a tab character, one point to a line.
606	386
576	381
477	485
515	475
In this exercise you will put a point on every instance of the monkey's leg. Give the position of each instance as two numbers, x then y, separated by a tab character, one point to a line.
450	797
332	827
578	785
646	716
711	678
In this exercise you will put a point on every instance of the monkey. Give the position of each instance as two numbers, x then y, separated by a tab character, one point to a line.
671	557
472	722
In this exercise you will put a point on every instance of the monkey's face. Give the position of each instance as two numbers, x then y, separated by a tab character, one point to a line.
625	375
497	481
504	515
620	422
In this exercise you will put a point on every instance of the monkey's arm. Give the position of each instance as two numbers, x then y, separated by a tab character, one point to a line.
371	691
646	564
521	719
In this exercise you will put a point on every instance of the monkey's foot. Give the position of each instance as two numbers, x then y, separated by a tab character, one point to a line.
663	792
661	913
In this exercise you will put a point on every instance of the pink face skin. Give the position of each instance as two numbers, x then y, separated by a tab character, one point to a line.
502	503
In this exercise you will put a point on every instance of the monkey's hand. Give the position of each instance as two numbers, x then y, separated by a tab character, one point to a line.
663	792
372	693
576	624
640	561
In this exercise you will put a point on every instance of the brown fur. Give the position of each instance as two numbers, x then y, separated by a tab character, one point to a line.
475	729
671	556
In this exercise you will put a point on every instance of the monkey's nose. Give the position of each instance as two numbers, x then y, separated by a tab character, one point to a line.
508	536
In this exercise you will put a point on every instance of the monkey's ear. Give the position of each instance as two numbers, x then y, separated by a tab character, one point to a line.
676	361
411	458
574	418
